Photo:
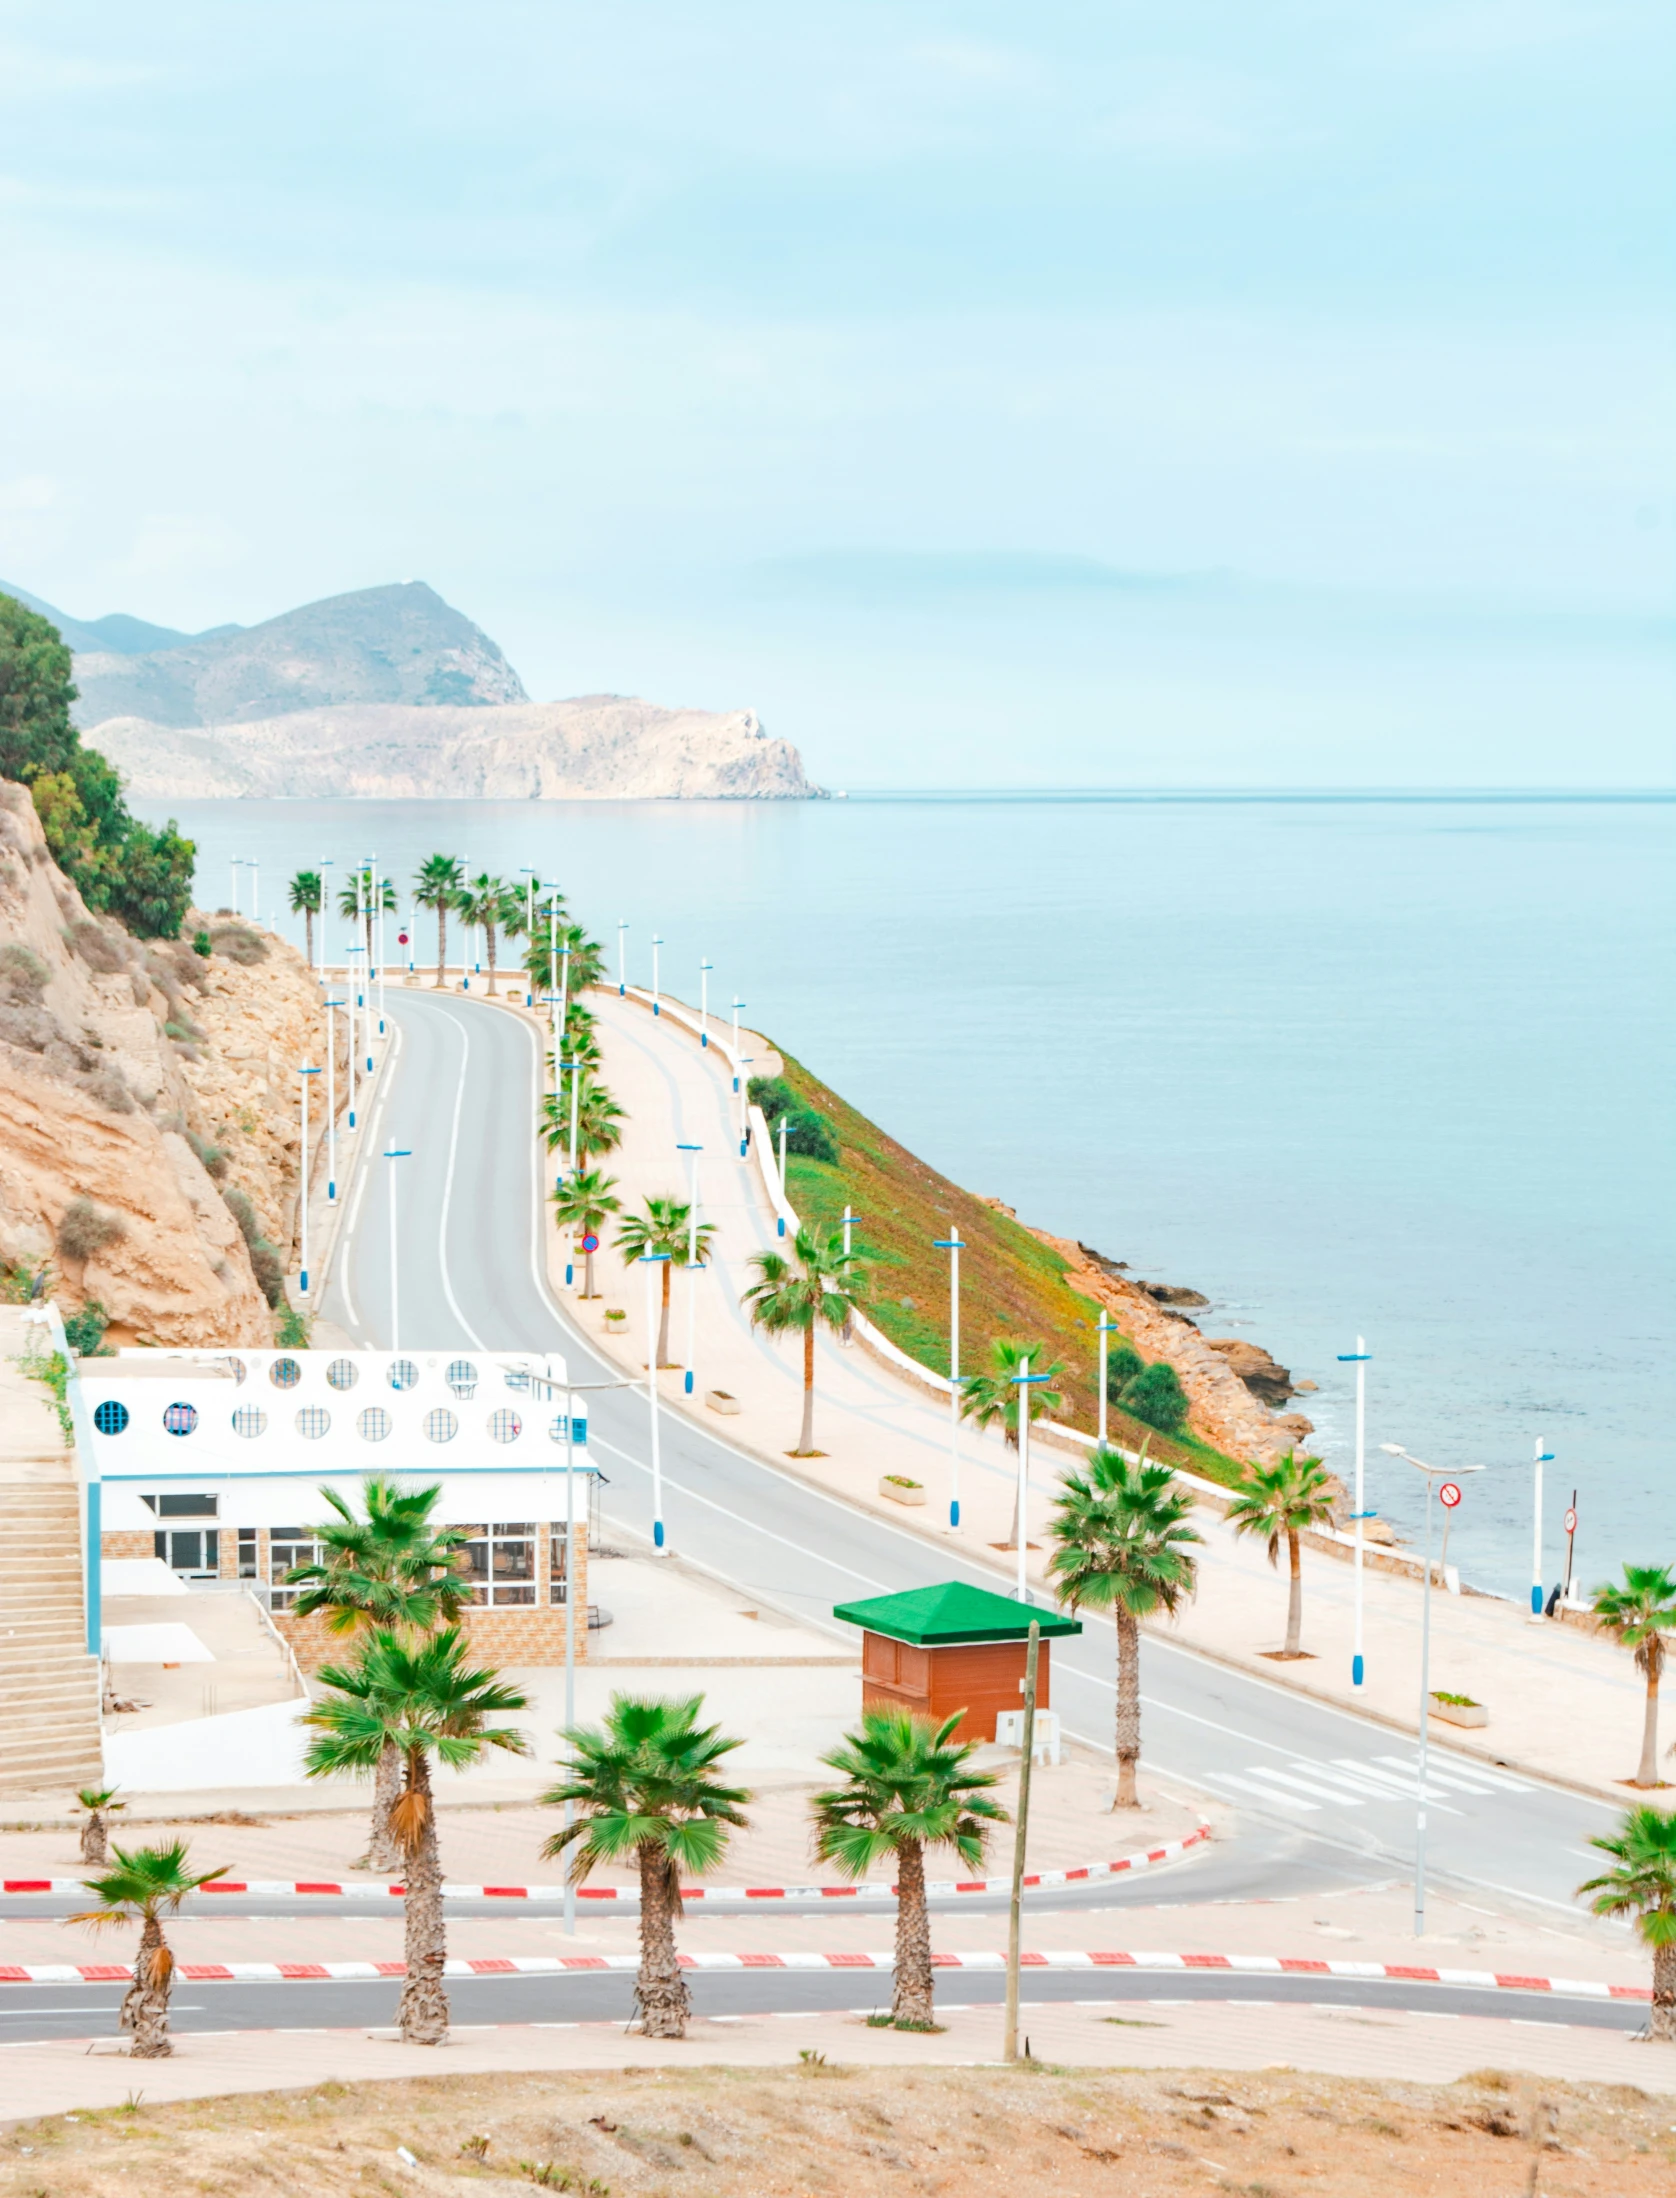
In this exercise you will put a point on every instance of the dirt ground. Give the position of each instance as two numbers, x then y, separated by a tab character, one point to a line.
749	2133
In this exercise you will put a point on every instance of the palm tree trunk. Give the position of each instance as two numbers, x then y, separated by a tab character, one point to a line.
441	945
662	1989
308	934
423	2011
806	1438
1648	1774
1128	1708
383	1848
93	1848
910	2001
145	2010
587	1274
1013	1531
663	1319
1662	2023
1294	1597
489	943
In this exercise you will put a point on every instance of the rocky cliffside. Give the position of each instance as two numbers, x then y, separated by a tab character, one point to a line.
599	747
143	1089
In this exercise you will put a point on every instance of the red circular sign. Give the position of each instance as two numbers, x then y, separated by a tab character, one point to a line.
1571	1522
590	1243
401	938
1449	1495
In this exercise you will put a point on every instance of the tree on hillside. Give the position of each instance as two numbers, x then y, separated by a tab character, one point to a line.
1638	1613
582	1204
664	1230
306	895
819	1284
1643	1887
1284	1501
645	1786
487	903
437	885
144	1885
908	1785
1121	1546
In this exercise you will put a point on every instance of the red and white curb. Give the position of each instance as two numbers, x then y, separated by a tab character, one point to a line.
272	1887
549	1965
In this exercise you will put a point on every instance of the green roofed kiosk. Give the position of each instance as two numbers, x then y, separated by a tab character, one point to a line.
941	1650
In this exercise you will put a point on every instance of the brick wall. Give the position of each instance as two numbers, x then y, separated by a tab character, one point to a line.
126	1542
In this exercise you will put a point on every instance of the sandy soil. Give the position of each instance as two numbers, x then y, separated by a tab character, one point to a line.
725	2133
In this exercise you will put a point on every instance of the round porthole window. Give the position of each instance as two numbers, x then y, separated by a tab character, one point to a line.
517	1377
462	1377
111	1417
237	1368
375	1423
505	1426
403	1374
180	1419
343	1373
285	1373
313	1421
441	1425
250	1420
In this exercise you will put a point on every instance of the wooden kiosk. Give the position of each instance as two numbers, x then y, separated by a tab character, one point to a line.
941	1650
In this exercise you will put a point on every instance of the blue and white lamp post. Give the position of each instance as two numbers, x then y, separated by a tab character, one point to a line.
704	969
305	1072
1106	1328
574	1070
525	872
1542	1458
954	1247
331	1105
742	1087
325	910
622	957
650	1260
393	1153
657	1005
692	1256
780	1217
235	865
1359	1359
737	1005
1026	1381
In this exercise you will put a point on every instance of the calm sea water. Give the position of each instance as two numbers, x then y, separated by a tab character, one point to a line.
1403	1067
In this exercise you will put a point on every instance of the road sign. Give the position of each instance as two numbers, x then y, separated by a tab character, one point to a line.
1449	1495
590	1243
1571	1522
401	938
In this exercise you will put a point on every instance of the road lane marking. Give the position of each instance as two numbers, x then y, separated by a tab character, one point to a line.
448	1196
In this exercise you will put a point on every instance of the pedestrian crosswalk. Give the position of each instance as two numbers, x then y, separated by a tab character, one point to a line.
1307	1784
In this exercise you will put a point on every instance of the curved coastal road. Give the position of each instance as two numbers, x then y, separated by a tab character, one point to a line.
1334	1794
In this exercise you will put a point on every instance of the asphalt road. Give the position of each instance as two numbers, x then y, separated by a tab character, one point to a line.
462	1091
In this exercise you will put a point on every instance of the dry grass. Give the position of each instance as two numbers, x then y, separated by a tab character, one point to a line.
972	2133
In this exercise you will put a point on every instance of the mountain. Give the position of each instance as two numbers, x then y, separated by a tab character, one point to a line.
393	644
596	747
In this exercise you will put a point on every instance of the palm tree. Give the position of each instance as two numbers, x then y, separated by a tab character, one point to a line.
1123	1548
1644	1886
581	1204
1285	1499
645	1785
436	885
101	1803
599	1121
427	1701
490	903
907	1786
1639	1614
820	1282
391	1570
146	1884
363	895
542	965
664	1231
992	1399
587	960
306	895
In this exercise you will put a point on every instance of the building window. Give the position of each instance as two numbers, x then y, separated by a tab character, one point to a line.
111	1417
441	1425
313	1421
375	1423
558	1562
289	1546
517	1377
191	1550
505	1426
237	1368
250	1420
462	1379
247	1553
403	1374
500	1562
343	1373
559	1427
180	1419
183	1506
285	1373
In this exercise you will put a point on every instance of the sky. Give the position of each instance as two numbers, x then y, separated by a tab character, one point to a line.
1088	394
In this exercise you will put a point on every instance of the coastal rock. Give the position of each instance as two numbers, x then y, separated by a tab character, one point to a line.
595	748
1173	1293
1269	1381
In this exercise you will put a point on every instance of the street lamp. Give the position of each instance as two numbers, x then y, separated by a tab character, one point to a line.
325	910
741	1086
704	969
353	1062
1542	1458
235	866
1433	1474
1106	1328
737	1005
331	1105
656	943
1025	1381
574	1069
780	1217
393	1153
305	1072
525	871
1359	1359
692	1257
649	1260
253	865
622	957
954	1247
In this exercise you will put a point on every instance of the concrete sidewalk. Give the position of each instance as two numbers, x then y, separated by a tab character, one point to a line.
1563	1705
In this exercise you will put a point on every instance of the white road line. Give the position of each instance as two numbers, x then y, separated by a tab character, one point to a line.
448	1198
1260	1793
1306	1783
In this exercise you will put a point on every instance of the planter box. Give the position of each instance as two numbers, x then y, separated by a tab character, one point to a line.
1460	1713
719	1400
908	1492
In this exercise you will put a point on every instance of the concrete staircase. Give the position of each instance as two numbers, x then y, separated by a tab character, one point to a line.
49	1685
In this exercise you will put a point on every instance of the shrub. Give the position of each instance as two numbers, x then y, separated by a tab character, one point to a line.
1156	1396
237	943
211	1157
84	1332
290	1329
265	1263
110	1087
201	944
85	1231
244	1213
23	974
809	1135
99	949
1123	1363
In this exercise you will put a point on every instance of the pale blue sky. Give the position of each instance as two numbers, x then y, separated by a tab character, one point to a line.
875	365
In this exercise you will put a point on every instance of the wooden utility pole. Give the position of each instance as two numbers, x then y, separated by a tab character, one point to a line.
1009	2043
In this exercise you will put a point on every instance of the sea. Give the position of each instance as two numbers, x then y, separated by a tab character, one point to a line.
1399	1068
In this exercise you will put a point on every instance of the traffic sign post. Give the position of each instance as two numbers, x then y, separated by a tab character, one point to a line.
1570	1545
590	1242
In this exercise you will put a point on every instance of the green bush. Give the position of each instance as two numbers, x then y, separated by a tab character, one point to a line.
84	1332
1123	1363
810	1136
201	944
1156	1396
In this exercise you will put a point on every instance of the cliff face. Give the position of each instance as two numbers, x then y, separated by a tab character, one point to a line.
600	747
124	1067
